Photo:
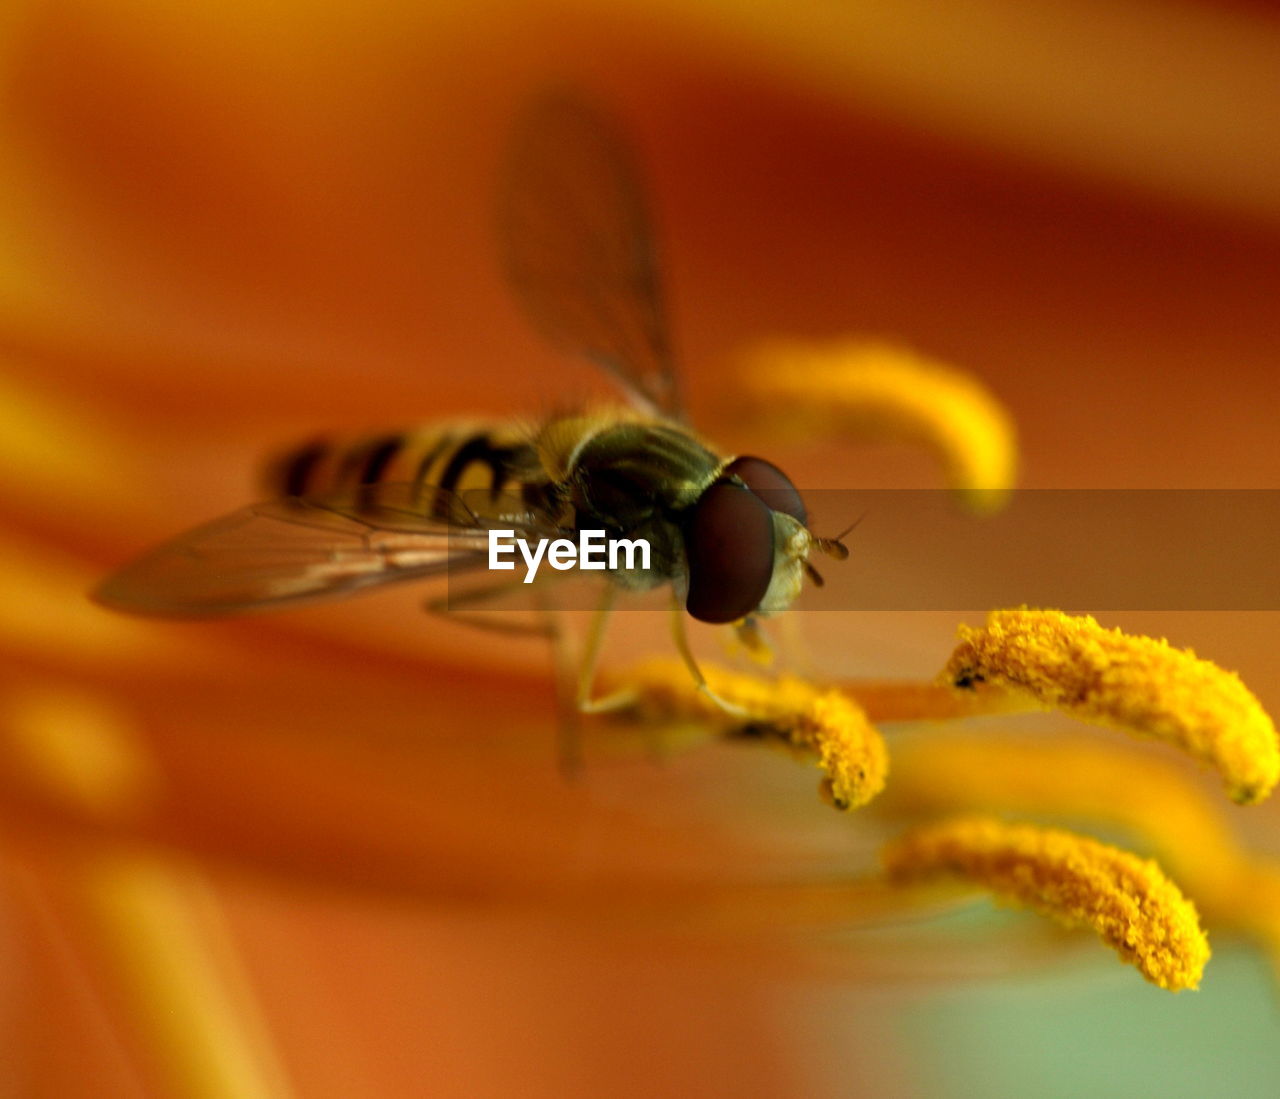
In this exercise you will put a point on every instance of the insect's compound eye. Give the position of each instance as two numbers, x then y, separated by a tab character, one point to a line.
771	485
729	545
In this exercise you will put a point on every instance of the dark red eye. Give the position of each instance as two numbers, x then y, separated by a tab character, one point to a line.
773	486
729	546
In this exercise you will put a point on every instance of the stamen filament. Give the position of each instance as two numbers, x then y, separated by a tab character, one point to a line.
906	701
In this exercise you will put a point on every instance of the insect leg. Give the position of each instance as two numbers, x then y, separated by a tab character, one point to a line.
575	678
753	641
686	654
569	724
590	660
575	684
549	626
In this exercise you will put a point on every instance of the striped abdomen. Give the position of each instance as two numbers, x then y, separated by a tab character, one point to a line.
435	460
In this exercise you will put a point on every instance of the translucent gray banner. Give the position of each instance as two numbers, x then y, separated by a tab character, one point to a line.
1076	549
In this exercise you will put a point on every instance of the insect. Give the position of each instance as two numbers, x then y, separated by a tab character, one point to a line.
728	533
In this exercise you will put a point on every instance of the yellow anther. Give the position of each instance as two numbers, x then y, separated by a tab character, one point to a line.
1114	785
879	390
1077	881
806	718
1138	684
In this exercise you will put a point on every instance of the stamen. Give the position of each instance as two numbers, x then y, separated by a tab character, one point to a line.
1139	684
1077	881
1107	782
805	718
1118	786
878	390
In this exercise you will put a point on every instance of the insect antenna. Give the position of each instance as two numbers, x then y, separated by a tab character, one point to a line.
835	547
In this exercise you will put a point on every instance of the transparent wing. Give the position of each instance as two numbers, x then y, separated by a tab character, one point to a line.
298	549
579	249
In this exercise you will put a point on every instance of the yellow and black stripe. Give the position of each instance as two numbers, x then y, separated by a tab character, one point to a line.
444	460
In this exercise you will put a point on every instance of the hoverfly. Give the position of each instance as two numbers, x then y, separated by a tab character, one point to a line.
729	533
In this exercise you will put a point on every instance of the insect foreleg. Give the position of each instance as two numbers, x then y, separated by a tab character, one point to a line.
589	661
681	639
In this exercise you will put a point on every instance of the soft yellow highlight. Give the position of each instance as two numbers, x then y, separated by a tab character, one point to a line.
80	750
1077	881
49	454
46	613
158	927
1257	905
155	922
806	718
1111	783
1139	684
879	390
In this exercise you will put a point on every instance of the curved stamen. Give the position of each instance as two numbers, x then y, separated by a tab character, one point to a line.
1075	880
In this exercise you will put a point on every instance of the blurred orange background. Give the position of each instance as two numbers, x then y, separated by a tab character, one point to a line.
227	226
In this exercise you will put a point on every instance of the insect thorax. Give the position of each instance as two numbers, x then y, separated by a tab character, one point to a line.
633	478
